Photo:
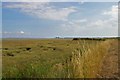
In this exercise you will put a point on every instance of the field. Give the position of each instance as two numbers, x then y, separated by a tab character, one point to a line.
56	58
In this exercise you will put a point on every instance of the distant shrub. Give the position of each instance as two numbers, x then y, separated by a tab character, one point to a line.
10	54
54	48
5	48
75	38
41	46
28	49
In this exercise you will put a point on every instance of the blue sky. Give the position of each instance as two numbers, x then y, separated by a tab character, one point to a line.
64	19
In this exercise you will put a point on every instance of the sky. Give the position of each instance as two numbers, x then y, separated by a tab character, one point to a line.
60	0
62	19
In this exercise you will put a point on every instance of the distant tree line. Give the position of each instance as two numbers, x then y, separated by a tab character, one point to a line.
99	39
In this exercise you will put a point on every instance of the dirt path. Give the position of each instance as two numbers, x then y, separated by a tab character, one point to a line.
109	68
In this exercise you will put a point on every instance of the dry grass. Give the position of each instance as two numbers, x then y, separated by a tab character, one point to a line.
53	58
86	62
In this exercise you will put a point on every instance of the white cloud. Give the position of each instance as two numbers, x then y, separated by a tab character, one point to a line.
93	28
113	12
18	32
108	25
80	21
82	2
22	32
100	26
74	27
44	10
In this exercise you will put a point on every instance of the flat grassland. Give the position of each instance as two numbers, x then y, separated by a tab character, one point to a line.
54	58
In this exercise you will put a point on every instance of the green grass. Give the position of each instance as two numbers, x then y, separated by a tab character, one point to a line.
52	58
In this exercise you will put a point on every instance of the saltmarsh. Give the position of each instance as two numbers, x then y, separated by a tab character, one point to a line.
52	58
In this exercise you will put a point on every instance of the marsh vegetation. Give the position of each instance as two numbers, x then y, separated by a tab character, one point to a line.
53	58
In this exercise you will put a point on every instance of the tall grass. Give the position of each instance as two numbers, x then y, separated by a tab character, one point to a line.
86	62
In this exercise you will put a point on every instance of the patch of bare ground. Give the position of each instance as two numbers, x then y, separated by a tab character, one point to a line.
109	66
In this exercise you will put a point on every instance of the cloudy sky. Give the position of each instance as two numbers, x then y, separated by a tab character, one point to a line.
64	19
